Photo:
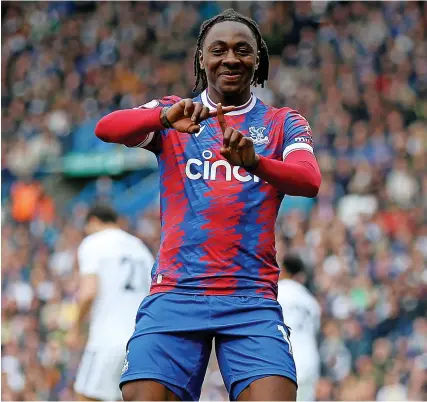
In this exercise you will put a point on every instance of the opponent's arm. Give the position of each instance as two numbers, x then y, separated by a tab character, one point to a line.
88	289
88	263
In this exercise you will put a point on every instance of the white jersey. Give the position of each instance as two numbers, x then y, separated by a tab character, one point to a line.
301	312
123	265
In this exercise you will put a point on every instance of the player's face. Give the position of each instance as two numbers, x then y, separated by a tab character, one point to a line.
229	57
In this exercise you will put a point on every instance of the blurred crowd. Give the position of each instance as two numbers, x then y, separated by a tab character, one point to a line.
356	70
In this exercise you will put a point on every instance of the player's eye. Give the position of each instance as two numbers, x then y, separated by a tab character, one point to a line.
217	52
243	51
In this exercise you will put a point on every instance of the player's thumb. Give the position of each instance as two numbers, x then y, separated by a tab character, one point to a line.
225	152
193	129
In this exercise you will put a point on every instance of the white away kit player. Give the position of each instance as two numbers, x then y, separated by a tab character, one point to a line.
301	312
115	276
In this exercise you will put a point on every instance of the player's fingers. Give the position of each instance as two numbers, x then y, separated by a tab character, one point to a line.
235	138
192	128
221	118
228	132
225	152
198	107
225	109
71	342
245	142
205	114
189	107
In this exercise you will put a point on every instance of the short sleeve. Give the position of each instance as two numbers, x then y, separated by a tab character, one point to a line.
87	258
297	134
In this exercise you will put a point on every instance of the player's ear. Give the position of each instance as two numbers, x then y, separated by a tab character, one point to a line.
257	60
202	66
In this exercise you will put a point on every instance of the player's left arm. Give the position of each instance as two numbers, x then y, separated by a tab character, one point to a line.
297	174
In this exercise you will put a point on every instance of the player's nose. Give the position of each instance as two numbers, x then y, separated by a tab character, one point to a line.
231	59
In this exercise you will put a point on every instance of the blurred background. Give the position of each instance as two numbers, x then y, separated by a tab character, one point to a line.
357	71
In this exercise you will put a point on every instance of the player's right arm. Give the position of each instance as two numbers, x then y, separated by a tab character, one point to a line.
141	127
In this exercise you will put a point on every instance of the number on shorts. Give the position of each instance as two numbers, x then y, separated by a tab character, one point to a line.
285	337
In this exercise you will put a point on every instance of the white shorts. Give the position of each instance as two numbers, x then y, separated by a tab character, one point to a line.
98	375
306	390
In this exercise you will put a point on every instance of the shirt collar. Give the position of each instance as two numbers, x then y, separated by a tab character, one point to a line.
242	109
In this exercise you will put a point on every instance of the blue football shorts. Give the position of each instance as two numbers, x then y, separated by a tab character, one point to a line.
174	334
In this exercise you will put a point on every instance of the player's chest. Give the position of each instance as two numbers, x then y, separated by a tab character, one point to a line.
199	156
206	143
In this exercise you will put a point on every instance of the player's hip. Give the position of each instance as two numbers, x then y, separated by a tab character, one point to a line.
216	264
223	280
218	314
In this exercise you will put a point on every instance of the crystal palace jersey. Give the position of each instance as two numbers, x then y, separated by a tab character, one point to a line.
217	219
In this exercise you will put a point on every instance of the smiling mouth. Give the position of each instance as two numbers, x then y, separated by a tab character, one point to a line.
231	76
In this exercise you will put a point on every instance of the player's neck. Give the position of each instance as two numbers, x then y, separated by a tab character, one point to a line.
284	275
229	100
111	226
106	226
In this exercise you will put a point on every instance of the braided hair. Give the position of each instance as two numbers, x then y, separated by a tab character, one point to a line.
261	74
